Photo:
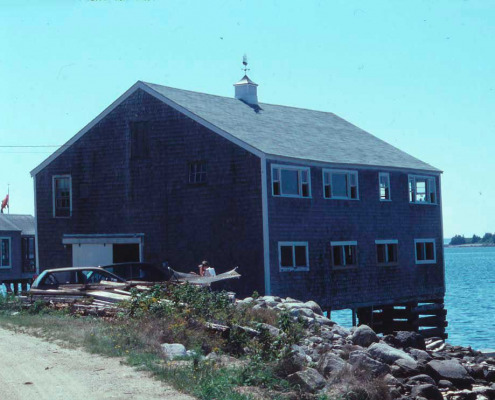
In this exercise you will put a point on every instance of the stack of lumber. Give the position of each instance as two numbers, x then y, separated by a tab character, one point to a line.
102	298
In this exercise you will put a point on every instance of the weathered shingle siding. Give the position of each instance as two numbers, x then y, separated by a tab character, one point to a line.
15	272
320	221
183	224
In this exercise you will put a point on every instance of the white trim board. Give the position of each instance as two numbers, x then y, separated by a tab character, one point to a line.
103	239
266	230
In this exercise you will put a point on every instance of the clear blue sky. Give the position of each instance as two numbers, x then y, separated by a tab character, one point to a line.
418	74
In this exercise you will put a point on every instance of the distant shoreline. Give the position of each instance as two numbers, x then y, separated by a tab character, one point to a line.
470	245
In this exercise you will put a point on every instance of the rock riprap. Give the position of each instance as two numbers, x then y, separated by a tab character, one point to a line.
413	368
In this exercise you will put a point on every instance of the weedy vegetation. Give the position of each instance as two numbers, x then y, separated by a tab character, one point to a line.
243	367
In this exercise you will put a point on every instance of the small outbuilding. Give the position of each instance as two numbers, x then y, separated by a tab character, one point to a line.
17	248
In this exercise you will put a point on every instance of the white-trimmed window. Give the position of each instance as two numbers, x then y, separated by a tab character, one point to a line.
384	186
291	181
344	254
340	184
426	252
422	189
387	252
293	256
62	196
197	172
5	253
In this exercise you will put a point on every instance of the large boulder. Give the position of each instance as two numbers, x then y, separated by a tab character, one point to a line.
273	331
312	305
331	363
361	361
421	379
450	370
341	331
427	391
324	320
406	339
408	368
308	380
173	350
295	361
364	336
290	364
420	355
387	354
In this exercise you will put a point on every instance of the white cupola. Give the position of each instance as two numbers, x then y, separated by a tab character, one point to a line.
246	90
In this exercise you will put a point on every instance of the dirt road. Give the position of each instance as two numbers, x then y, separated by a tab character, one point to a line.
31	368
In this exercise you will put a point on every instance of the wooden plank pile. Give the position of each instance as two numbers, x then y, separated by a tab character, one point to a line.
99	299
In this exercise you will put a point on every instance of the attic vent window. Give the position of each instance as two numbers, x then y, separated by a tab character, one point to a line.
291	181
340	184
422	189
197	172
140	139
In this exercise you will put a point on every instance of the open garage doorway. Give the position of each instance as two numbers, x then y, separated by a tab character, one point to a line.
98	250
123	253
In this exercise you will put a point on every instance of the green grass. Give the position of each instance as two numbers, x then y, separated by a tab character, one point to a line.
177	315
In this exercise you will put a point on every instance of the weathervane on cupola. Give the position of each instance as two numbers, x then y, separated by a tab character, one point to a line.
246	90
245	63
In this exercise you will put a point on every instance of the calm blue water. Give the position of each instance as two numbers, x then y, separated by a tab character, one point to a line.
470	298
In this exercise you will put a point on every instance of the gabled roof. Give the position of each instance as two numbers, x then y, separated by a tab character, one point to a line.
273	130
17	222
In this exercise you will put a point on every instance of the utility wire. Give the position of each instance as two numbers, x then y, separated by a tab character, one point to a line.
23	146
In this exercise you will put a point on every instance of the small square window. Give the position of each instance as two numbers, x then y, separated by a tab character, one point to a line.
425	251
197	172
293	256
344	254
387	252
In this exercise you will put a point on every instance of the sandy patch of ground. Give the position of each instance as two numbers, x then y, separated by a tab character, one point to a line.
31	368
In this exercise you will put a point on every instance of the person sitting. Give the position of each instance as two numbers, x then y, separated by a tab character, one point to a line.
206	270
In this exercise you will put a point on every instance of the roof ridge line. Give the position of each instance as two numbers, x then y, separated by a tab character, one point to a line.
232	98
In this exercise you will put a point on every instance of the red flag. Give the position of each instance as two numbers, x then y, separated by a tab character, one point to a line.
5	203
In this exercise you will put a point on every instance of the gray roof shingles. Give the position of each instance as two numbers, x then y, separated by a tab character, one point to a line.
17	222
293	132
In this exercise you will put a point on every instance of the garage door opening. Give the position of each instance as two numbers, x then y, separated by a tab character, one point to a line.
125	253
101	249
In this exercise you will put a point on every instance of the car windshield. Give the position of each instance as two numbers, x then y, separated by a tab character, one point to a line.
90	276
144	272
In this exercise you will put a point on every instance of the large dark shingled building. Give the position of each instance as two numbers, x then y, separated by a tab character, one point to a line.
306	204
